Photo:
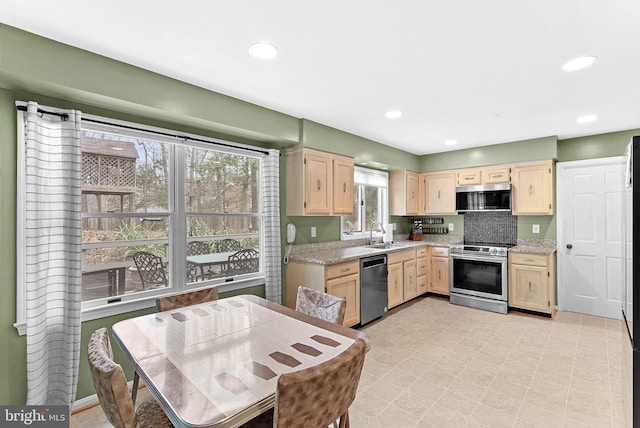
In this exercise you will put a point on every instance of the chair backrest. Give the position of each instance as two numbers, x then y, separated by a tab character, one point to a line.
110	382
317	396
195	248
243	261
226	245
320	305
186	299
150	268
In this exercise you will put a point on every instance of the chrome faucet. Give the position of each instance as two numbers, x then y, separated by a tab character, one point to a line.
371	230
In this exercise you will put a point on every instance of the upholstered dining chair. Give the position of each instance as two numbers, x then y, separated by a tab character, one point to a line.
151	269
181	300
243	261
113	394
318	396
320	305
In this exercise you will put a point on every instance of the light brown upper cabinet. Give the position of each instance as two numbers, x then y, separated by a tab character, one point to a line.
441	192
319	183
342	185
533	188
469	176
403	193
497	174
422	193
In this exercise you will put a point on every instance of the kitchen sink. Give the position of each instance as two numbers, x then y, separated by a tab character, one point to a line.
383	245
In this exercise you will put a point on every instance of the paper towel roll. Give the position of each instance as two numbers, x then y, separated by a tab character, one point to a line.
388	233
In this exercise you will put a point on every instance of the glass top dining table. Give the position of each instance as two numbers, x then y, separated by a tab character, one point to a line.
216	364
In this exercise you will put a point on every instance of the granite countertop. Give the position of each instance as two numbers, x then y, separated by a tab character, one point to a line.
327	253
535	246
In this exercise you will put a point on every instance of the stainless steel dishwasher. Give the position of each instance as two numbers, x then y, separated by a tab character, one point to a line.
373	288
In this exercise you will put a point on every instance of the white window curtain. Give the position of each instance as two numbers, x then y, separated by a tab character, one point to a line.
52	241
271	210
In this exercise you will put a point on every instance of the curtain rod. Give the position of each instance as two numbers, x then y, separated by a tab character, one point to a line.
64	116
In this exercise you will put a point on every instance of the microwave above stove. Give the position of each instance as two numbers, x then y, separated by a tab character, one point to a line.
490	197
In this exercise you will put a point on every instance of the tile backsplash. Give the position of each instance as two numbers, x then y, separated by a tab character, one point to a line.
490	227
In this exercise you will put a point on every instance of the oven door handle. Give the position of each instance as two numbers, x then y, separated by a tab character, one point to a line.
493	259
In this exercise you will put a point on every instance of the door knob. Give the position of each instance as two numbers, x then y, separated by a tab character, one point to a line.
569	246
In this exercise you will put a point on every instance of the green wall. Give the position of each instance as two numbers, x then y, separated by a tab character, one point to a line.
42	70
595	146
321	137
12	347
518	151
33	68
47	67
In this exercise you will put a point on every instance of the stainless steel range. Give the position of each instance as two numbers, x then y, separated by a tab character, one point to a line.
479	276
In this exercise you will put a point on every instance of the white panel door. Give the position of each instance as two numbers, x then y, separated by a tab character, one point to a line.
590	236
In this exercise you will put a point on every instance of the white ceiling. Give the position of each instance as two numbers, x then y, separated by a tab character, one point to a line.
480	72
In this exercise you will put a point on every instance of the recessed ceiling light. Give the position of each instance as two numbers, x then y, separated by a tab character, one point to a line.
579	63
587	118
393	114
263	50
451	142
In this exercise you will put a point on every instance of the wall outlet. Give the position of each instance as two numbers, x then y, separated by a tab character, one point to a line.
536	228
450	227
313	232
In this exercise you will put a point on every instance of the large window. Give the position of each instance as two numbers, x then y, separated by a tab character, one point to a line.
163	213
370	203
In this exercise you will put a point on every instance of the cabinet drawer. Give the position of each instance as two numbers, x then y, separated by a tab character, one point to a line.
341	269
401	256
440	251
421	252
421	267
468	177
528	259
496	174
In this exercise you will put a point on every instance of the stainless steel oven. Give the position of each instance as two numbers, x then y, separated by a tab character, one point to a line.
479	277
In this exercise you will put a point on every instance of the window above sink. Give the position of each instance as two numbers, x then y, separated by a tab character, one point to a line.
371	202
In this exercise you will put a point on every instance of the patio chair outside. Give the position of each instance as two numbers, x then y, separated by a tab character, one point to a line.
151	270
243	261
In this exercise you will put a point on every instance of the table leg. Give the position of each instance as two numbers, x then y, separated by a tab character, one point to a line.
121	280
112	282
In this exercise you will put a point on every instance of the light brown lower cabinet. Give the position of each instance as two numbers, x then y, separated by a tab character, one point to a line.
348	288
339	279
422	269
440	270
532	283
401	277
395	280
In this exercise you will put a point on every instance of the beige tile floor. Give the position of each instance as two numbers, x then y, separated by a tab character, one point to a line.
433	364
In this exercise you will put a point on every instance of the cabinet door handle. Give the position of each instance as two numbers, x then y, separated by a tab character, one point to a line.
438	194
413	195
529	286
344	187
468	178
318	185
497	175
439	275
530	189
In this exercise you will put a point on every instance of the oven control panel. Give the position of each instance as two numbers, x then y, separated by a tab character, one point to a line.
478	249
